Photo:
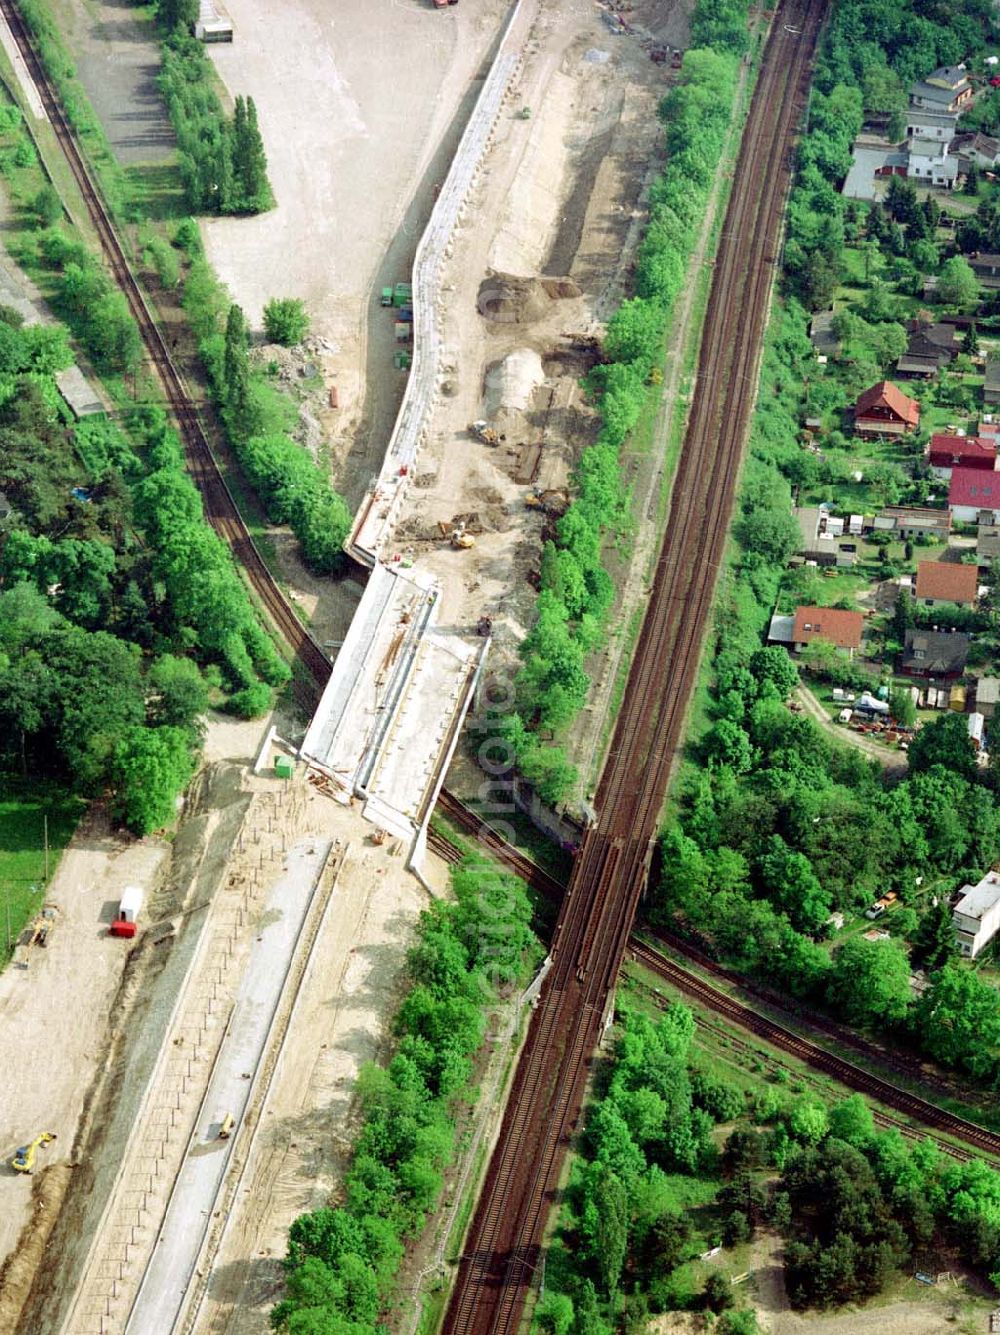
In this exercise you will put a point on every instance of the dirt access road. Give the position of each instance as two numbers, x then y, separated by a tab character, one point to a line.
53	1014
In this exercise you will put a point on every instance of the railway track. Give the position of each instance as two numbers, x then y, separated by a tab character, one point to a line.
980	1138
714	999
220	507
503	1247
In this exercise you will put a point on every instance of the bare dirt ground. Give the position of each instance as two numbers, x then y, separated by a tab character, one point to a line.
117	60
360	106
53	1014
101	1014
540	263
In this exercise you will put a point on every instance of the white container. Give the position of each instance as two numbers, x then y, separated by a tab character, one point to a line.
131	903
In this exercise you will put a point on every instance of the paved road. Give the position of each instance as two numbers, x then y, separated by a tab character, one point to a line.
169	1272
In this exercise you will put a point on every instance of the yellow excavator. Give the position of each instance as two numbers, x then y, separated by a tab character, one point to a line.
24	1160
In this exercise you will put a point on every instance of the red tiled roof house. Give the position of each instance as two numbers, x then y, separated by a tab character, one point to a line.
947	452
940	582
885	410
974	496
833	624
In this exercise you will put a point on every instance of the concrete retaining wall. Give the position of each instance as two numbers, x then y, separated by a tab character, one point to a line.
378	514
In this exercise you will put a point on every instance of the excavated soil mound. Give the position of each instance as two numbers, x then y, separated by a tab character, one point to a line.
508	299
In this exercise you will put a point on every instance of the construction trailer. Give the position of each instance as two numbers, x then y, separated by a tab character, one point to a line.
212	25
130	904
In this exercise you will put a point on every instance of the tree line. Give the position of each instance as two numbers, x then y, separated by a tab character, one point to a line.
343	1260
576	591
222	160
293	487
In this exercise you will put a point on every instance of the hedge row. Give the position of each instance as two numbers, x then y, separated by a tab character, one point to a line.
223	165
576	591
292	486
343	1261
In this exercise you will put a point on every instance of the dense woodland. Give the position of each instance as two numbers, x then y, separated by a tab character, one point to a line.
222	158
658	1184
120	609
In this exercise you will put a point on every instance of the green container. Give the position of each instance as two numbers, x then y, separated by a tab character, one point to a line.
403	294
401	361
283	767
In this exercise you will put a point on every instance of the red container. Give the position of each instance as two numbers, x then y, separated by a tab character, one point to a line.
122	928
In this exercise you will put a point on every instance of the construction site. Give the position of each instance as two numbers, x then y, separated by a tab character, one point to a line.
207	1099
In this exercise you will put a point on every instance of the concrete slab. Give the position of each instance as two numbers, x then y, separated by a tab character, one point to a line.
388	720
167	1277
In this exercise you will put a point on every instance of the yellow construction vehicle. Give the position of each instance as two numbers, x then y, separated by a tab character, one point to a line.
487	434
461	540
24	1160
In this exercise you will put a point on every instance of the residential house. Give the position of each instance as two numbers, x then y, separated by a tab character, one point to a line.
940	582
974	496
987	544
913	521
991	384
980	150
946	452
939	655
930	125
986	267
931	347
833	624
987	696
884	410
930	163
946	91
823	538
821	335
976	915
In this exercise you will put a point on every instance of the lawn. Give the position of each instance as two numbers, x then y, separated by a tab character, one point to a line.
24	807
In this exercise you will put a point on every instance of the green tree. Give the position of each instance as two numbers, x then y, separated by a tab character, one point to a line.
180	694
944	741
793	887
554	1313
958	1020
251	191
970	341
151	766
177	13
808	1121
870	981
773	664
47	206
851	1120
902	708
957	284
935	941
718	1292
286	320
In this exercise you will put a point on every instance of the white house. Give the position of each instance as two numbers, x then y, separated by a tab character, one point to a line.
931	163
930	125
976	916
